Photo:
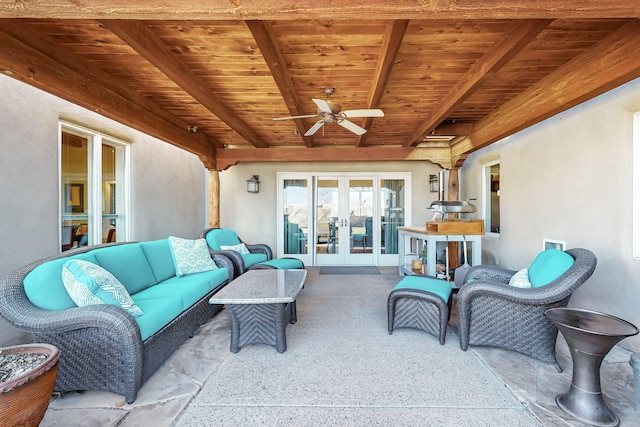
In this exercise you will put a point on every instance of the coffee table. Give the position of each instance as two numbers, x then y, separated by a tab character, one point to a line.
260	305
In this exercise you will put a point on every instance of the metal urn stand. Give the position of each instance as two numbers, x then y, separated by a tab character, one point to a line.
590	336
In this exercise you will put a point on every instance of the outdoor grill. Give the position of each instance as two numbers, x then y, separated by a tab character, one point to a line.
444	207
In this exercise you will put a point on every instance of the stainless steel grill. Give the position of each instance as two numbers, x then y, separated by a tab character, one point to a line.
444	207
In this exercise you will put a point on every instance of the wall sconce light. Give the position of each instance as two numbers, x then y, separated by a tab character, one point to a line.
253	184
433	183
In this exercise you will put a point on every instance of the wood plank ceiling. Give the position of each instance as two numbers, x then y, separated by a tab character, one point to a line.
450	76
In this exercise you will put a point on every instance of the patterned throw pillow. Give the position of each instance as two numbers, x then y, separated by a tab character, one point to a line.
89	284
520	279
241	248
190	256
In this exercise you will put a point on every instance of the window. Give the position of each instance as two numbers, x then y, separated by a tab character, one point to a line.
93	188
491	197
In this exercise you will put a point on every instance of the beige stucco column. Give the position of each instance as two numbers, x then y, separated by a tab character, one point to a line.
214	198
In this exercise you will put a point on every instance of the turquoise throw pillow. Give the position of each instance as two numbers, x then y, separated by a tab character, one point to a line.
190	256
89	284
548	266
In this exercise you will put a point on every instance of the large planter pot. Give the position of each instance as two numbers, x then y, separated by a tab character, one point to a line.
25	398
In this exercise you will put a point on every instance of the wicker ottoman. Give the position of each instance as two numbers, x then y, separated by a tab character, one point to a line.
422	303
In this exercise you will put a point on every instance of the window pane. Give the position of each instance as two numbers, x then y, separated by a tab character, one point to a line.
492	198
74	191
109	193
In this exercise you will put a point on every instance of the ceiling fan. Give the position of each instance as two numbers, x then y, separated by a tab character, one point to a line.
328	112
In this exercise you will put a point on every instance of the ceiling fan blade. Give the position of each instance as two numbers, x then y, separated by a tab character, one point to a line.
296	117
322	105
313	129
352	127
373	112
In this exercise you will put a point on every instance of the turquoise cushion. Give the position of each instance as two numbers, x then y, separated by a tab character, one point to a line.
159	257
221	237
190	256
89	284
43	285
439	287
188	289
284	263
158	312
251	259
129	264
548	266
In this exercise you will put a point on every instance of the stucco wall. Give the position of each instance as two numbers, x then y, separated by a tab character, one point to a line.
570	179
167	184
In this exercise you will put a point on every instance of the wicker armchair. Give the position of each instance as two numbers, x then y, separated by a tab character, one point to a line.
216	235
260	255
492	313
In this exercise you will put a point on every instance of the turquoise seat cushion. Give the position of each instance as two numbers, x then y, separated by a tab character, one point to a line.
251	259
284	263
129	264
89	284
439	287
158	312
221	237
548	266
44	287
187	289
158	255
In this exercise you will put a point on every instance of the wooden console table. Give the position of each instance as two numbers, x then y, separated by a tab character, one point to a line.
406	234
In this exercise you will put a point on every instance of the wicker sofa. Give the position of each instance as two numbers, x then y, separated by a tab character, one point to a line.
104	347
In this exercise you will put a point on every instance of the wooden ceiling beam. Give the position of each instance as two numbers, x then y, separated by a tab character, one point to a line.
392	41
17	30
609	64
516	37
312	9
143	41
41	69
438	155
272	54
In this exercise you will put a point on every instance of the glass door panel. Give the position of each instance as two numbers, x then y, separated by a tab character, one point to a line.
328	220
296	216
392	193
361	207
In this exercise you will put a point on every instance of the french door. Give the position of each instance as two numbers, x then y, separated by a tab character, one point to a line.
342	219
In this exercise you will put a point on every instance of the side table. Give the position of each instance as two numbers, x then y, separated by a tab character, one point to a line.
590	336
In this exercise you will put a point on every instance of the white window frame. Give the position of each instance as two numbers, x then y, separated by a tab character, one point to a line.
96	139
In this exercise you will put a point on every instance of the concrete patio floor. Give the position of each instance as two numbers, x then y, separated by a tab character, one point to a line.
164	398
